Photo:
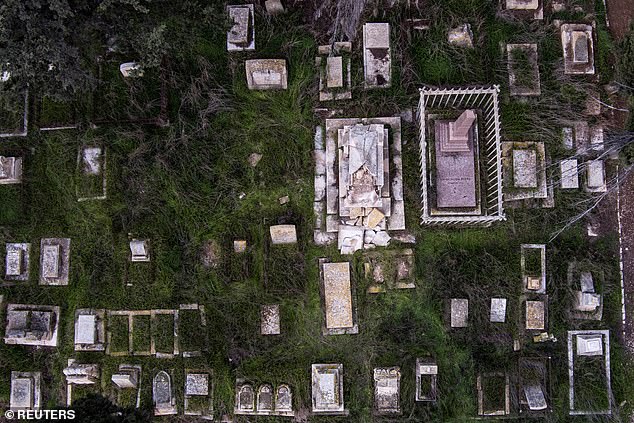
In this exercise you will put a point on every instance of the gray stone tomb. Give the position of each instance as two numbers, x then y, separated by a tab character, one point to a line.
10	170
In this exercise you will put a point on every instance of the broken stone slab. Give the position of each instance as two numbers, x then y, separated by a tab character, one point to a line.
284	200
461	36
254	159
381	239
241	35
266	74
350	239
270	319
10	170
283	234
322	238
130	69
374	218
377	62
274	7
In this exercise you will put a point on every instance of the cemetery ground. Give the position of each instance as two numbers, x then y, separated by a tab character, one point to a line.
182	184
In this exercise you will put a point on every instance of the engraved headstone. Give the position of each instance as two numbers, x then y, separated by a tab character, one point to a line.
459	312
86	329
270	319
283	234
265	398
498	310
338	297
590	344
525	168
197	384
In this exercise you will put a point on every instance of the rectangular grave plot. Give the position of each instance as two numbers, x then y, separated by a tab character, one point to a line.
428	387
285	270
133	99
141	335
493	394
533	262
191	332
126	398
138	273
118	335
590	383
54	114
12	112
163	333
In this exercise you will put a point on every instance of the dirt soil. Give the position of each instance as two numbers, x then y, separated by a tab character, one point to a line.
621	16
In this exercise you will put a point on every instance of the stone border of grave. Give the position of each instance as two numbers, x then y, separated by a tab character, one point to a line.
102	172
570	66
387	393
426	367
203	324
342	50
481	398
525	276
207	414
337	369
52	342
485	99
36	377
517	8
605	334
25	247
80	374
64	271
544	362
513	195
152	351
131	369
15	170
21	132
100	329
533	57
62	127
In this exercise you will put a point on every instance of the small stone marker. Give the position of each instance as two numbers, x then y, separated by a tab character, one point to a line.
130	69
246	398
522	4
569	174
197	384
273	7
459	312
374	218
86	329
270	319
266	74
283	234
284	399
265	398
498	310
535	397
241	36
334	72
239	246
461	36
535	315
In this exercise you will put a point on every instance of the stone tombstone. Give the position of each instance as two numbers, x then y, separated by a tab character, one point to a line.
265	398
81	374
85	329
535	315
197	384
459	312
266	74
595	176
283	398
337	295
130	69
525	168
10	170
387	390
246	398
270	319
578	48
125	380
590	345
17	261
586	282
163	395
498	310
522	4
274	7
427	375
569	174
32	325
334	72
91	159
139	251
25	391
333	63
54	261
327	389
241	35
377	61
283	234
535	397
51	261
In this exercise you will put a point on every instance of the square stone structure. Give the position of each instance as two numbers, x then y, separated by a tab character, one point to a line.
578	45
270	319
426	380
139	250
581	344
54	261
460	156
595	176
516	86
198	392
569	174
459	312
90	329
387	390
283	234
359	183
536	315
327	389
266	74
32	325
498	310
17	262
484	403
340	316
524	165
333	64
127	377
10	170
241	36
163	395
26	391
377	60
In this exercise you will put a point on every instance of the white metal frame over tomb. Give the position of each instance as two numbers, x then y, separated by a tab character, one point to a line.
485	100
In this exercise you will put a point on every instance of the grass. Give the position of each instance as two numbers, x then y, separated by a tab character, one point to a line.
182	185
